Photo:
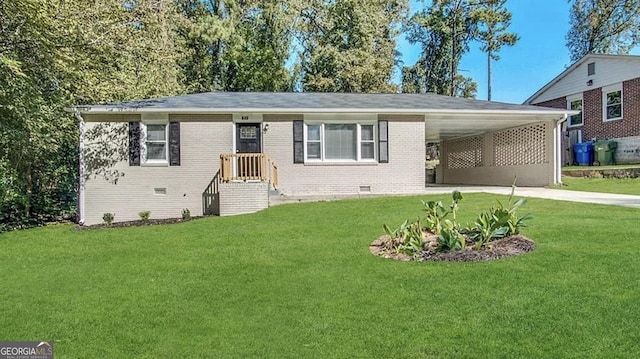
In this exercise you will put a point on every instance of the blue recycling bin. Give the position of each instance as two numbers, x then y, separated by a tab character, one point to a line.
583	153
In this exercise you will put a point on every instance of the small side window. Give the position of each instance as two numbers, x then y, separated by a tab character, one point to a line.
576	105
591	69
612	104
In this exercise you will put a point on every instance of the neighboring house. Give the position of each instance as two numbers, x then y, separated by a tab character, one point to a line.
230	153
606	91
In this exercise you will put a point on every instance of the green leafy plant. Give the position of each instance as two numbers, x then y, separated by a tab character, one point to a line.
488	226
436	212
499	222
144	215
450	238
186	214
413	241
408	238
400	232
108	218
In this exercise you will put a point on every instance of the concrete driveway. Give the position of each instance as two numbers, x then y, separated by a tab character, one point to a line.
555	194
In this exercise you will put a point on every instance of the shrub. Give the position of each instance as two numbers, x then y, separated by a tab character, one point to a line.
186	214
108	218
144	215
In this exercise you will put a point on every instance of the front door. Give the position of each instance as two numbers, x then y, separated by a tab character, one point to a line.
248	138
247	142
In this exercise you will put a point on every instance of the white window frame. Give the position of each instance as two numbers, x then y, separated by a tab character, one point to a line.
359	141
144	161
570	100
607	90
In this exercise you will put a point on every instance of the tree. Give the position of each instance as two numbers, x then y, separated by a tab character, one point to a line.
55	54
493	19
37	140
444	30
349	45
603	26
237	45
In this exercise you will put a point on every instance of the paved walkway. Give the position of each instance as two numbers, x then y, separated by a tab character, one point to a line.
556	194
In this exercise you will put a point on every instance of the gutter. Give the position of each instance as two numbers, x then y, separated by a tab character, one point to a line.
382	111
81	206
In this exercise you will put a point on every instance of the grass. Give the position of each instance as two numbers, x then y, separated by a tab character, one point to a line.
297	281
604	185
596	168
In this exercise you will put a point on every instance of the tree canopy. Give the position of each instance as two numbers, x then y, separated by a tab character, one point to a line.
603	27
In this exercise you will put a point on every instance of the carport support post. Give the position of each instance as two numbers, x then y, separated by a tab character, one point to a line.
557	151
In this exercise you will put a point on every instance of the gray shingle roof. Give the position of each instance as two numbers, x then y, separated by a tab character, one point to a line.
322	102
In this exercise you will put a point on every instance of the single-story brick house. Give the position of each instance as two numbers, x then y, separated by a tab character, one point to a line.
227	153
606	91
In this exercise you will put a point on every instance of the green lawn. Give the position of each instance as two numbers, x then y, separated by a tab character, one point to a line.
595	168
605	185
297	281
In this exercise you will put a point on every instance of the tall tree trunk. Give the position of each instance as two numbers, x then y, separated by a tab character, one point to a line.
489	75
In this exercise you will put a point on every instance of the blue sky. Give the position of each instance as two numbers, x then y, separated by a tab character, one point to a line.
536	59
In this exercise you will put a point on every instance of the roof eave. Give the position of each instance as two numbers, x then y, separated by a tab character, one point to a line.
417	111
569	69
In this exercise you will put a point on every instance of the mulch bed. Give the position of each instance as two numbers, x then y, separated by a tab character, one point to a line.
136	223
504	247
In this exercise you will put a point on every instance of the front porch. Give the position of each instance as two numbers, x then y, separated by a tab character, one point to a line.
246	180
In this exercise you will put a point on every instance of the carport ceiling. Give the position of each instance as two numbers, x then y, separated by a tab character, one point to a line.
445	126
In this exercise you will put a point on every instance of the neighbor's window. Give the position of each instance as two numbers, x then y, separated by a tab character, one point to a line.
340	142
612	100
155	143
575	104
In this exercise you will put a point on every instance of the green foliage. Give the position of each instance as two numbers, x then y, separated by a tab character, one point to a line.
408	238
237	45
443	29
603	27
498	222
435	212
488	226
450	238
493	22
186	214
108	218
144	215
350	45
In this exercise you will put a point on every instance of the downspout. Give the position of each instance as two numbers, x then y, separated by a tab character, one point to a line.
81	214
557	145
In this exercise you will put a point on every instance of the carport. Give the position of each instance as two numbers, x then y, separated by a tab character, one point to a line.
495	144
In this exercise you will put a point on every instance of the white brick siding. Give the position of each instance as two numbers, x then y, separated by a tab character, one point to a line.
243	197
403	174
201	145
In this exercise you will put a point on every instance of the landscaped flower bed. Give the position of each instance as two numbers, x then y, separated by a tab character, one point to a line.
494	234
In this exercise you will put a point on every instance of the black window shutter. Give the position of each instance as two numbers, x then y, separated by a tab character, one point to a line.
383	141
298	141
174	143
134	143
